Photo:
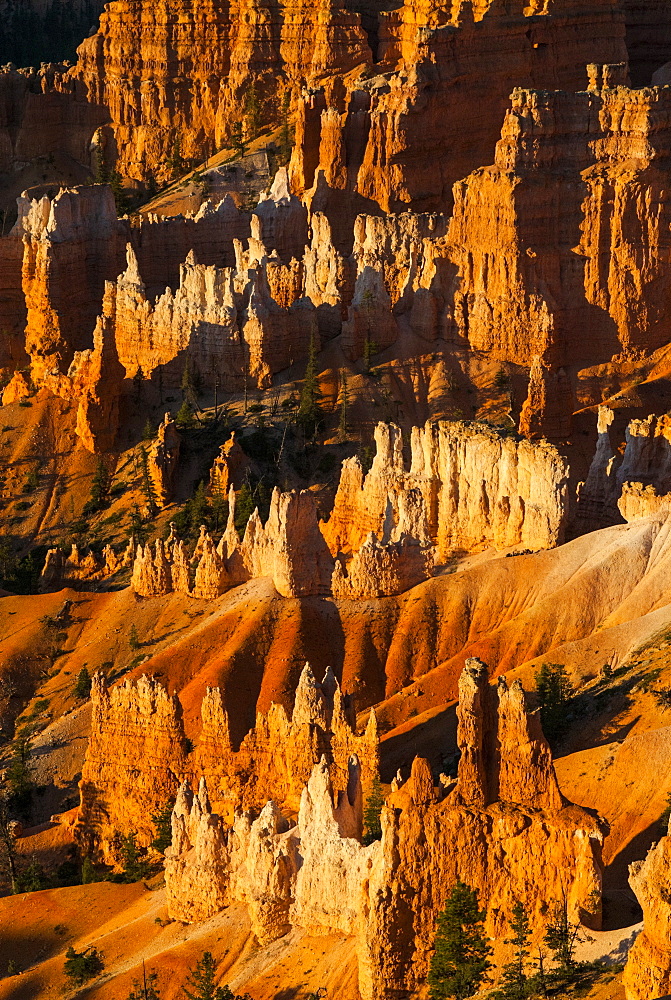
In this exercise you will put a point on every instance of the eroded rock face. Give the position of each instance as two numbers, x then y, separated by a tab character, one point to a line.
505	809
473	489
135	762
631	476
162	460
399	139
137	758
191	47
321	724
648	969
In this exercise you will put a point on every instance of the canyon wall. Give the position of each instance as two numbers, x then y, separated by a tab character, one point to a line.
632	476
648	969
472	488
138	754
317	876
398	139
204	57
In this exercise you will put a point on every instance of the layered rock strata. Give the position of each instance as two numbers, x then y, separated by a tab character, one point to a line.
135	761
467	487
648	969
318	877
138	754
632	476
398	139
204	58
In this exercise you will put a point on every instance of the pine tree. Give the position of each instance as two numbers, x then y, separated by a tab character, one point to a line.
184	418
244	508
237	139
132	860
219	506
18	774
83	685
344	402
133	638
148	432
188	384
199	509
99	488
309	414
147	989
554	691
461	959
162	820
515	984
372	812
138	382
252	113
560	938
147	486
88	871
201	981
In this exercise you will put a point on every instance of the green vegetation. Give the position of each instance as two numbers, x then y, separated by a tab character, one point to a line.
100	487
133	638
515	983
18	775
310	416
83	685
554	692
372	812
80	966
162	820
460	962
133	859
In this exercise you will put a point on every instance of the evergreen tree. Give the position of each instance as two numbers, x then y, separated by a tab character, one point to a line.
560	939
7	842
554	691
133	863
244	508
147	486
148	432
80	966
33	878
515	984
372	829
461	959
184	418
18	774
309	409
88	871
189	384
219	506
99	489
344	402
162	820
252	113
138	382
201	985
83	685
147	989
199	509
237	139
133	638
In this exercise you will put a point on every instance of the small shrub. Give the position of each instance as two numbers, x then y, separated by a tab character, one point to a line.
80	966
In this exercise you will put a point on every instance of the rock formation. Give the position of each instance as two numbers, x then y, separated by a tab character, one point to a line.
632	476
205	44
162	460
135	761
122	789
318	877
474	488
648	969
